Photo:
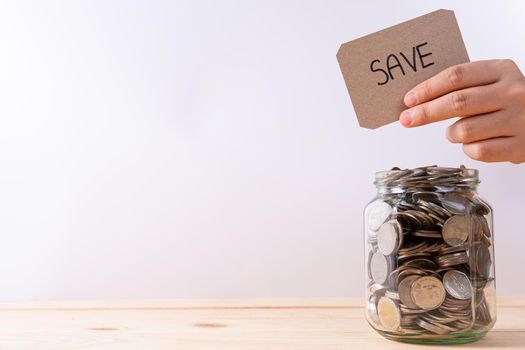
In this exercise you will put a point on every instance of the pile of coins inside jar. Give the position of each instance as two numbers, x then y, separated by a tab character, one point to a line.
429	258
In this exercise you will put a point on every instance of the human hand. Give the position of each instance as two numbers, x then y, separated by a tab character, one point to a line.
487	96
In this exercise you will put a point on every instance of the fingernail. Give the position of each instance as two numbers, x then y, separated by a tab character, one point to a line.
406	118
410	99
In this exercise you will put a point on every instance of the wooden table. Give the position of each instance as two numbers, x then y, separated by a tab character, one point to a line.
322	324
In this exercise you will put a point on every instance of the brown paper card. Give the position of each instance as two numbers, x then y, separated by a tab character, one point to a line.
380	68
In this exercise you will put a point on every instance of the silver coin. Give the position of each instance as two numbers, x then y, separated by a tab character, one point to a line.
456	230
379	267
392	295
455	203
426	196
376	288
404	289
378	214
431	327
372	309
457	284
388	237
438	321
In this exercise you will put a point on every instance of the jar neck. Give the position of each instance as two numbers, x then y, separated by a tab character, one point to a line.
427	179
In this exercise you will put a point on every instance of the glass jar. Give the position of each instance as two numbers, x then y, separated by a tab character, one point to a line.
429	256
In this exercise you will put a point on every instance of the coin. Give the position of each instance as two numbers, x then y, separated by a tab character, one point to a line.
388	237
426	196
389	314
481	207
378	214
376	288
404	271
427	233
392	295
422	263
456	249
456	230
430	327
483	314
480	260
438	322
372	309
457	284
481	226
428	292
379	267
452	259
455	203
404	289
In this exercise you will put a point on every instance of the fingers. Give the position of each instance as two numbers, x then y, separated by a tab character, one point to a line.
481	127
489	98
466	102
494	150
454	78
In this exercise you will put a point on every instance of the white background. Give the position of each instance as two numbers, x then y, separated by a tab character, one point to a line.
210	149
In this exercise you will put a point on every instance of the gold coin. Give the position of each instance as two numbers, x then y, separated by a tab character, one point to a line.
389	314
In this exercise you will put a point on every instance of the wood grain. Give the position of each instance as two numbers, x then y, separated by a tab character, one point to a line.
218	324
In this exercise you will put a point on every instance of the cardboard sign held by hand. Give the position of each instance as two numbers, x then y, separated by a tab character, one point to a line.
380	68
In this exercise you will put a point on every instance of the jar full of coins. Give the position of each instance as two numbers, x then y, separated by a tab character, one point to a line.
429	250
